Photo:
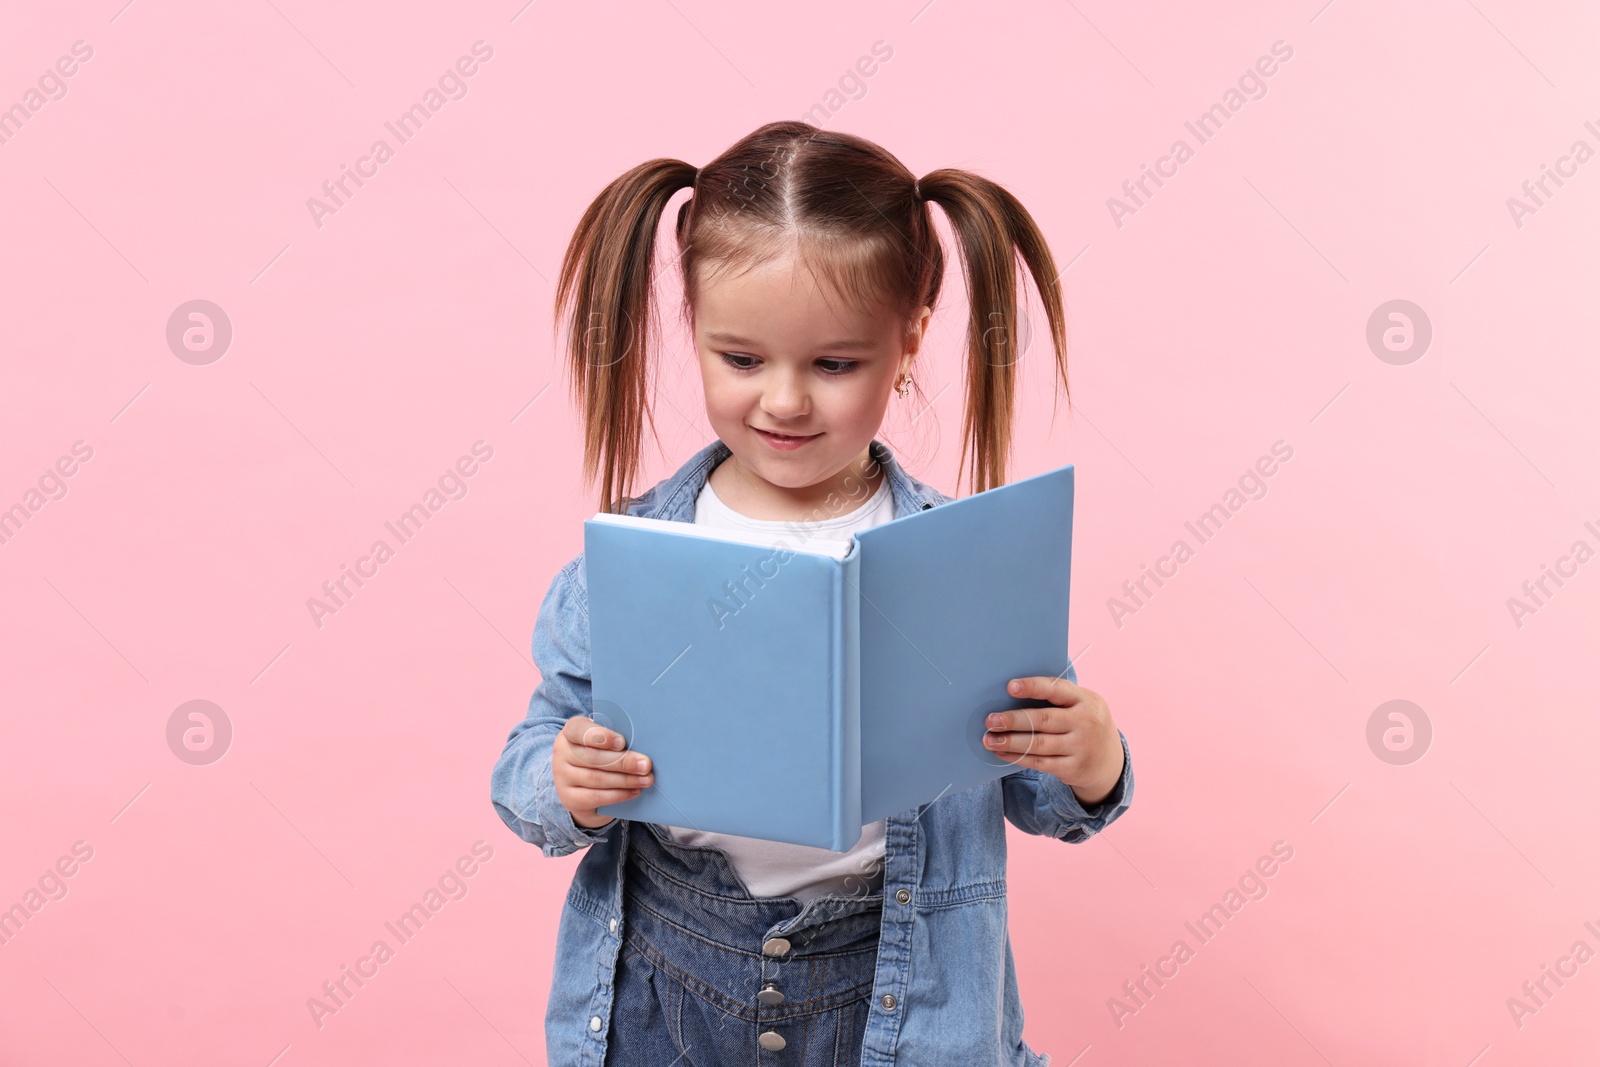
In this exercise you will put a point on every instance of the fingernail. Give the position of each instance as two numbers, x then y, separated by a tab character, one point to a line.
997	721
1016	686
642	764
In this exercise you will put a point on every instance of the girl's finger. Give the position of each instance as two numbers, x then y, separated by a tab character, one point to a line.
593	798
1051	720
611	759
586	778
1029	743
599	737
582	730
1054	765
1044	687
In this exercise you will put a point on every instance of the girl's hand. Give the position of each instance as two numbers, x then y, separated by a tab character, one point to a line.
590	769
1076	740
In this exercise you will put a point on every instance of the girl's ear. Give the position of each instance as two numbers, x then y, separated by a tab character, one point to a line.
917	330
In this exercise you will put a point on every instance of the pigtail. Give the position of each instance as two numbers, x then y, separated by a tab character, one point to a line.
606	280
992	228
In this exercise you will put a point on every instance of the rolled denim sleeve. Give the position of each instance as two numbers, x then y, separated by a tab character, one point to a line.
522	785
1040	803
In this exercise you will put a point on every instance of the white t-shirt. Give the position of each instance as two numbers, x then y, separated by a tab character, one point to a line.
775	868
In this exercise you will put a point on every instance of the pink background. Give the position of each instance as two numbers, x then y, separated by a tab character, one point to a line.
368	354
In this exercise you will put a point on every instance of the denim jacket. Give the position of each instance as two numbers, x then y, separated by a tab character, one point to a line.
946	989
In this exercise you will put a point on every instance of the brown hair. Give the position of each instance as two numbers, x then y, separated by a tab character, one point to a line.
855	215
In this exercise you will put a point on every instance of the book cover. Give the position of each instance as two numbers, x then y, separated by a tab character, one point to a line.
735	667
797	695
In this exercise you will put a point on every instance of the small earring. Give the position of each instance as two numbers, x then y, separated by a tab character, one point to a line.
903	387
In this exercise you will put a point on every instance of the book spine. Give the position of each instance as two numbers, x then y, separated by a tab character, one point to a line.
846	677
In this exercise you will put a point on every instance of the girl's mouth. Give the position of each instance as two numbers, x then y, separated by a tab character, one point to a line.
785	442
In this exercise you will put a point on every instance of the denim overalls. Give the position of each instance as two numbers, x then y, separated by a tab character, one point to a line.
710	975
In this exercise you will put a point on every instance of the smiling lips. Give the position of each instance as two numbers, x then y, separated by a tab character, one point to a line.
784	442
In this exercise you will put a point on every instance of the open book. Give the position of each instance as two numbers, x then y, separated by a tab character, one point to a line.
796	689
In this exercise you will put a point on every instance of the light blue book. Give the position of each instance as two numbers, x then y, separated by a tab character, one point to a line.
796	689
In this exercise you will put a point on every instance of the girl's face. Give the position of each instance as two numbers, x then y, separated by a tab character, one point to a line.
779	356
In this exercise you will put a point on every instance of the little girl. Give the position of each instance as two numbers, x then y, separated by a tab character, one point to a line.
810	268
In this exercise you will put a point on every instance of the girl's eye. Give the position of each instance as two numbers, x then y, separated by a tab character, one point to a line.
834	367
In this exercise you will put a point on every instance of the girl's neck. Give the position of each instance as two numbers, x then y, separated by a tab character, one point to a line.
756	498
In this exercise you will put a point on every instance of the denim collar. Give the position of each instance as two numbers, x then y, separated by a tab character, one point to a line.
674	498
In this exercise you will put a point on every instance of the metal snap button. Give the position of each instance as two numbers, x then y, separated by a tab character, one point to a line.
903	896
595	1023
772	1040
769	995
775	946
613	926
888	1002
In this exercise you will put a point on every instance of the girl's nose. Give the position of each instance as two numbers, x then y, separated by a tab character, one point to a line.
786	399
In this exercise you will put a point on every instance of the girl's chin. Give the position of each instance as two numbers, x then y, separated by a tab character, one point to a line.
783	472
